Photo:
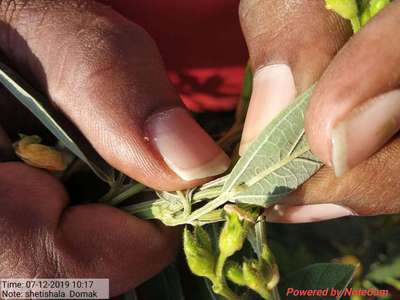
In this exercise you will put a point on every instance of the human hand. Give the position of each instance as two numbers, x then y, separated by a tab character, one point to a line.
107	76
353	113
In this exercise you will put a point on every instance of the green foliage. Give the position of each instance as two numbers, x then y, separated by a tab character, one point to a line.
318	276
277	162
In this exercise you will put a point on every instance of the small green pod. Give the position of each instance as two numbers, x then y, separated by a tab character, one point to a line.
198	251
232	235
234	273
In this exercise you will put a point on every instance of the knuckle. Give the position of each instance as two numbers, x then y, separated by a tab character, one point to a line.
9	8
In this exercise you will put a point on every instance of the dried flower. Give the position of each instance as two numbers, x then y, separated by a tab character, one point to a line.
29	149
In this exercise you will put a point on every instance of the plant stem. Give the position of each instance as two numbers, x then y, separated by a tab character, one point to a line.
187	206
221	288
355	24
142	210
220	265
261	239
127	193
210	206
275	294
212	217
207	194
393	282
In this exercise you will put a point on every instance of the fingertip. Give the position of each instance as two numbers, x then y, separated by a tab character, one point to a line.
184	146
282	213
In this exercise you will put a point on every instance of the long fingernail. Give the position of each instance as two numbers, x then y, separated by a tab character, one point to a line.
365	130
306	213
273	90
185	147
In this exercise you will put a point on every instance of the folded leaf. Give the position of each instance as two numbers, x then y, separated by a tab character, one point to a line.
277	162
318	277
37	155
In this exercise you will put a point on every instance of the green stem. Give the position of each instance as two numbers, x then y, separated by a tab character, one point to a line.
142	210
261	240
355	24
187	207
207	194
110	194
211	217
219	270
275	294
393	282
127	193
221	288
210	206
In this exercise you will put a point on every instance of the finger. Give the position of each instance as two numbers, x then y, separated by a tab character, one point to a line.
286	213
371	188
106	75
355	109
290	45
41	237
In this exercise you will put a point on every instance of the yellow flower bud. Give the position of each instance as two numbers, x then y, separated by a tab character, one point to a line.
37	155
256	277
198	251
232	235
234	273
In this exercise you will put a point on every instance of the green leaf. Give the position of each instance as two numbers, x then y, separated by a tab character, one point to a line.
56	122
277	162
316	277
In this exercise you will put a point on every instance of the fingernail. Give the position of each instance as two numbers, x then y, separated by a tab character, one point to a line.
273	90
185	147
280	213
364	131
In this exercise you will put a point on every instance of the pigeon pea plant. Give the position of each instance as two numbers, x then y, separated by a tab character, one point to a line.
276	163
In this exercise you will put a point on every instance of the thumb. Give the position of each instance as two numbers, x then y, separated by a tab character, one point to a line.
290	44
106	75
